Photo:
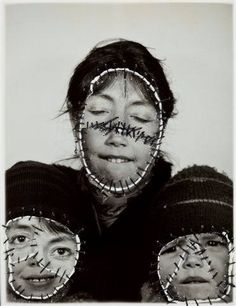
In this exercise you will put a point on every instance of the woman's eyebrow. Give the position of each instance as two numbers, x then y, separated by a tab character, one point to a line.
104	96
141	103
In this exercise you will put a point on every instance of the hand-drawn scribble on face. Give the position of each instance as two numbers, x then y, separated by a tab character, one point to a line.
41	255
195	267
120	135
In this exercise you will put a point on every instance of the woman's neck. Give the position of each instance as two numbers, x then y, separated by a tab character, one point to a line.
109	208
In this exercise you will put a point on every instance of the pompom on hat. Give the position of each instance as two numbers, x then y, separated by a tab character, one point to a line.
197	199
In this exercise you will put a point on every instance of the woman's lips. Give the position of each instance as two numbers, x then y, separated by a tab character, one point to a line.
116	159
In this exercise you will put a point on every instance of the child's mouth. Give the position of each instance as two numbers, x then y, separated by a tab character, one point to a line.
40	280
194	280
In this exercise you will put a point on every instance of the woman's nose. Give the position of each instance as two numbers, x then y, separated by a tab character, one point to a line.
116	139
193	260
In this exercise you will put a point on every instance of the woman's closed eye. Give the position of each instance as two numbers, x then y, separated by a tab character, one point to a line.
142	115
141	119
98	112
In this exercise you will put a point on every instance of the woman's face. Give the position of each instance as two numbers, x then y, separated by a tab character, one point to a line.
120	134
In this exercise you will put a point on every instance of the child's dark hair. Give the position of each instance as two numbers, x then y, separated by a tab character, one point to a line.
119	54
55	227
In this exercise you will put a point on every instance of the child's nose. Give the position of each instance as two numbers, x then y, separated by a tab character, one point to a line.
39	258
193	260
33	260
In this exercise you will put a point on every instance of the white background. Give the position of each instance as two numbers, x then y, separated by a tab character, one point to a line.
44	43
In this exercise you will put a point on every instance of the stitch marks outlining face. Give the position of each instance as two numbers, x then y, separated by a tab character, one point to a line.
196	267
41	256
119	131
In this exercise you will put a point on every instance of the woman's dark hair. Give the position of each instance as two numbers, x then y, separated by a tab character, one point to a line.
118	54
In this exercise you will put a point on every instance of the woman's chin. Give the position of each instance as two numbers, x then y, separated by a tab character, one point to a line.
116	172
122	183
121	176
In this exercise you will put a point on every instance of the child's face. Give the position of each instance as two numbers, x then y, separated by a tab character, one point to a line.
40	261
193	266
115	155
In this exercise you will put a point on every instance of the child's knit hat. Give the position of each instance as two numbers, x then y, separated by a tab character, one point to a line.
197	199
41	190
38	189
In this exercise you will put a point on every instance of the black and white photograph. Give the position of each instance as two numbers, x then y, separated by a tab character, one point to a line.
117	159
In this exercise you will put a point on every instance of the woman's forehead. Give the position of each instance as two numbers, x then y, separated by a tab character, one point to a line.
118	85
115	93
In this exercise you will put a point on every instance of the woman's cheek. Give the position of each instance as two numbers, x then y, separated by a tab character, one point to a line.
92	140
142	151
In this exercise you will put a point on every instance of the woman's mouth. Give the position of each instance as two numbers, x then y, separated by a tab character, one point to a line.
116	159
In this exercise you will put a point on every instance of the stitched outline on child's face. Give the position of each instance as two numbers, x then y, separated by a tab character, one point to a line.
222	296
19	291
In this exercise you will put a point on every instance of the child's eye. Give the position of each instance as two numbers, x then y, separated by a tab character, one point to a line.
19	239
169	250
214	243
62	252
